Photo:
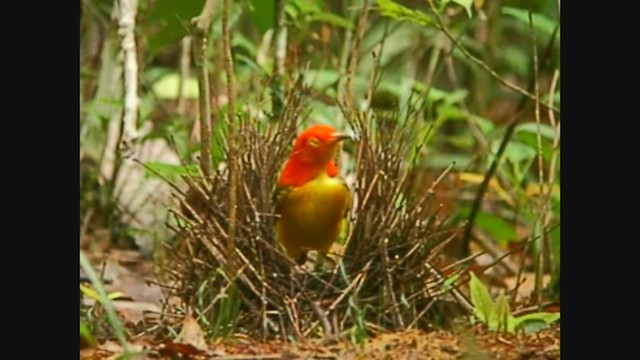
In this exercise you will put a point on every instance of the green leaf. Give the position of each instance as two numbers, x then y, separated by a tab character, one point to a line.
321	79
449	112
485	125
106	302
448	283
518	152
263	14
86	334
332	19
515	59
547	317
498	228
396	11
167	87
533	326
482	302
546	131
171	172
533	322
504	320
169	21
466	4
541	23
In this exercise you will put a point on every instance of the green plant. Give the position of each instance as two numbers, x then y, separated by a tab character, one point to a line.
497	315
104	299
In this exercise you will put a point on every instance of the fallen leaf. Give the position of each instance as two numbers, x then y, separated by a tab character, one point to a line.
190	341
171	348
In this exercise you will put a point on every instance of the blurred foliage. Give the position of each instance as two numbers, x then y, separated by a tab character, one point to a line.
466	108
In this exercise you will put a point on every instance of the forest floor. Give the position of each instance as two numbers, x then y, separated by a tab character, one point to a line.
129	273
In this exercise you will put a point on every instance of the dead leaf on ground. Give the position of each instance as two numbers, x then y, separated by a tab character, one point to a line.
190	341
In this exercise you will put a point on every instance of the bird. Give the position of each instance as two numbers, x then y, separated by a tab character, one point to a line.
311	201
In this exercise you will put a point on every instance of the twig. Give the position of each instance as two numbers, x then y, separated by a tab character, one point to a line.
503	145
233	164
496	253
475	130
326	325
185	61
280	36
532	308
127	24
542	205
203	23
525	93
390	288
353	61
554	154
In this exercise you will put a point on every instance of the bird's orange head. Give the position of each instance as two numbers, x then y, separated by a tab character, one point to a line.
313	153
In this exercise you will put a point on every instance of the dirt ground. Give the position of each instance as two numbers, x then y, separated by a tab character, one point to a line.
127	272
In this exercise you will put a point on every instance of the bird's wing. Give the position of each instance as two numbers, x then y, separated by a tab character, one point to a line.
347	205
279	196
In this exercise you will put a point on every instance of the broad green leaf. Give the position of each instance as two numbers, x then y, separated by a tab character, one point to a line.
546	131
541	22
241	41
504	320
320	79
396	11
485	125
533	326
449	112
169	171
497	227
518	152
332	19
531	140
462	141
549	318
536	321
466	4
263	14
167	87
169	21
515	59
481	300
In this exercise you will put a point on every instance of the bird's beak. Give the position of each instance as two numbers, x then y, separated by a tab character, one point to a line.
341	136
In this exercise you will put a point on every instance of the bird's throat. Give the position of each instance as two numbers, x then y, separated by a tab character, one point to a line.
297	173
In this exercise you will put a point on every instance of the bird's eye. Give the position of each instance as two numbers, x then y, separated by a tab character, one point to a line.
314	142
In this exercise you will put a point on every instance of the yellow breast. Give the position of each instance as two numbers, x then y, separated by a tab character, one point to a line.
312	215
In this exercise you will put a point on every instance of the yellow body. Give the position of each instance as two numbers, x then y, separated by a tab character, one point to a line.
312	216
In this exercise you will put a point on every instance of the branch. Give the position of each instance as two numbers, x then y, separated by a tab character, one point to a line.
280	36
483	65
202	24
542	205
232	143
353	62
185	60
503	145
127	25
